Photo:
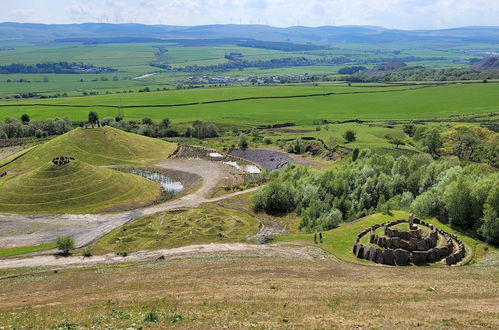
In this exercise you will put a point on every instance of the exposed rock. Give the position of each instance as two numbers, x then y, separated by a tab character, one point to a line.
379	257
419	257
402	257
388	257
360	251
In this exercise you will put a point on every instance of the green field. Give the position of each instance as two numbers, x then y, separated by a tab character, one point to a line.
74	188
133	61
164	230
369	103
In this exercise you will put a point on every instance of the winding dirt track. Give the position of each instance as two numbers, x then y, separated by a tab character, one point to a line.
191	251
22	230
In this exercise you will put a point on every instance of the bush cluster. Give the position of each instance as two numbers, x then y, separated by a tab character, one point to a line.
15	128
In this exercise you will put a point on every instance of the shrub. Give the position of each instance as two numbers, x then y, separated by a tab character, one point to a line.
267	140
350	136
151	317
243	141
87	252
275	198
93	117
65	244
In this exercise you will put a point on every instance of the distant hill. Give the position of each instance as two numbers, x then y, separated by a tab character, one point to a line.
491	63
325	35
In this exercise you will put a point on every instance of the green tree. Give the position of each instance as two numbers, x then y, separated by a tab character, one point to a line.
350	136
243	141
165	123
147	121
65	244
93	117
459	204
25	119
275	198
409	129
397	142
433	141
490	226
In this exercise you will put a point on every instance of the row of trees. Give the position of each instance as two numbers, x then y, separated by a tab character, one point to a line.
240	64
147	127
15	128
53	67
473	143
465	197
424	74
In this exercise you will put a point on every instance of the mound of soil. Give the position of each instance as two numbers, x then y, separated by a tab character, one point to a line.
385	67
266	158
491	63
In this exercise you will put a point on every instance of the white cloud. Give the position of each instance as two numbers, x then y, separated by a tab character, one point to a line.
408	14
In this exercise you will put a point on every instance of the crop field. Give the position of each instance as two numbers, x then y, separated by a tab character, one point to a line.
376	103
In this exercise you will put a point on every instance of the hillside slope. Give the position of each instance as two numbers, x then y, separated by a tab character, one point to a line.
76	187
97	146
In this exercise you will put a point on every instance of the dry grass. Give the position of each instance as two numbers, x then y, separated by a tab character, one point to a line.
244	292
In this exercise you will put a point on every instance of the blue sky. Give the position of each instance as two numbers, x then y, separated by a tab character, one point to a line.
404	14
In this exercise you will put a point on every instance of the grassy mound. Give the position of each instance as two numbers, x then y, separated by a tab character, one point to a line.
98	146
209	224
74	188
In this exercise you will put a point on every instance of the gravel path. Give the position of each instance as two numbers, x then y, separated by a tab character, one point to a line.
186	252
27	230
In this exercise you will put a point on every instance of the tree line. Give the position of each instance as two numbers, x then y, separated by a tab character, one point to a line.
12	128
53	67
465	197
419	73
240	64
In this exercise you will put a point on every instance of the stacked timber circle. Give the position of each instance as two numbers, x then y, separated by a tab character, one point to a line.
401	242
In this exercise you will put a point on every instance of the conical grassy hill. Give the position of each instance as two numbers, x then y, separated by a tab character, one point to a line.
97	146
76	187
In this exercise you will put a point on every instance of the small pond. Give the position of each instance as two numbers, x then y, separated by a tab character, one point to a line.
168	184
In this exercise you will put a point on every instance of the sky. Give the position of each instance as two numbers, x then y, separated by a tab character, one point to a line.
402	14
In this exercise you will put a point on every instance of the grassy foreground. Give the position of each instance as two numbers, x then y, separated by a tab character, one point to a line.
98	146
74	188
249	292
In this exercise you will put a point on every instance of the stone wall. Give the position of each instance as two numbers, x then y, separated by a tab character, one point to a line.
408	247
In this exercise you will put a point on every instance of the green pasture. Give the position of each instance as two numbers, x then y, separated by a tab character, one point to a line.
26	249
367	103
